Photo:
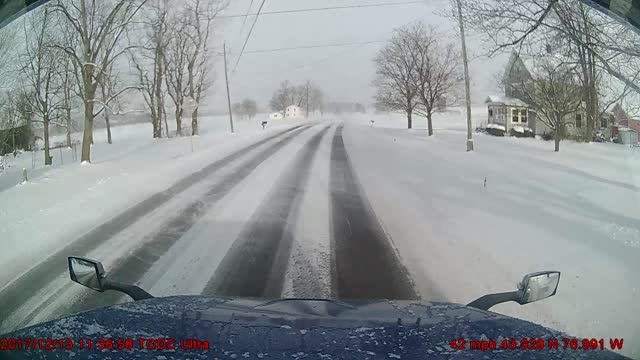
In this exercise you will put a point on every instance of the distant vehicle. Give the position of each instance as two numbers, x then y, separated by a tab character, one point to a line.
196	326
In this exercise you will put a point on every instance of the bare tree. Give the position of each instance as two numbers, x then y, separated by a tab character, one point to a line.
39	73
595	41
176	60
98	28
249	108
283	98
15	121
7	43
316	100
68	77
437	76
554	94
395	75
150	63
69	74
238	109
198	18
577	21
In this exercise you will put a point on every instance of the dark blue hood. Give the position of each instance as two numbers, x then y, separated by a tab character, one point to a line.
294	329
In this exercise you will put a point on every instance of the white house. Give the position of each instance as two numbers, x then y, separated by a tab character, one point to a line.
522	71
275	116
507	112
293	111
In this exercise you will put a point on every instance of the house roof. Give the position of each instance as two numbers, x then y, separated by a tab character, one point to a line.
535	65
495	99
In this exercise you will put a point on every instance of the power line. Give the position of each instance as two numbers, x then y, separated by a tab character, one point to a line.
314	46
304	10
244	21
248	36
290	69
322	9
321	61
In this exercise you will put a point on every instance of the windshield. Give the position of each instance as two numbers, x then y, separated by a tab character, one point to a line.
406	150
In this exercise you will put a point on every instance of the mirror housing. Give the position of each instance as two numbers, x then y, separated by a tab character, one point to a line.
87	272
538	286
533	287
90	273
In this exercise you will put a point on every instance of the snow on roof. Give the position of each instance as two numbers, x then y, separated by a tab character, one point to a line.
496	126
504	100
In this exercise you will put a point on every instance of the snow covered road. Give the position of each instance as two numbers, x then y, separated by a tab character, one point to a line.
182	240
341	209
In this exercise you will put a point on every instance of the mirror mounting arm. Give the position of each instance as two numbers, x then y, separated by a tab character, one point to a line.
487	301
135	292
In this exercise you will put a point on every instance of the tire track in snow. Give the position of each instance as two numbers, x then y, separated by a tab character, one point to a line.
16	293
137	263
256	263
365	264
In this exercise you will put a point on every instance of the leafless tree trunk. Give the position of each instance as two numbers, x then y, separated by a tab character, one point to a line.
175	69
67	86
107	84
98	28
164	114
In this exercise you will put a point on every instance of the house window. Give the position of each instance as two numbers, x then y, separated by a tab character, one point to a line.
523	116
578	121
514	116
491	112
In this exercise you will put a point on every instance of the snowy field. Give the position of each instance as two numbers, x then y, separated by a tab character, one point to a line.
575	211
463	224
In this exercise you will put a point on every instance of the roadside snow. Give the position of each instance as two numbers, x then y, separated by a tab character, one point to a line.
61	203
575	211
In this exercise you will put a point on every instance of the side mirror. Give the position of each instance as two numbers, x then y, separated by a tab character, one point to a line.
538	286
90	273
533	287
87	272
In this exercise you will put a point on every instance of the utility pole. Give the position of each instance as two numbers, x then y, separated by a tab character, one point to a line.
226	77
466	78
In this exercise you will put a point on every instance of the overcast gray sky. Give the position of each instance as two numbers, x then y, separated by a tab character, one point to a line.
344	73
